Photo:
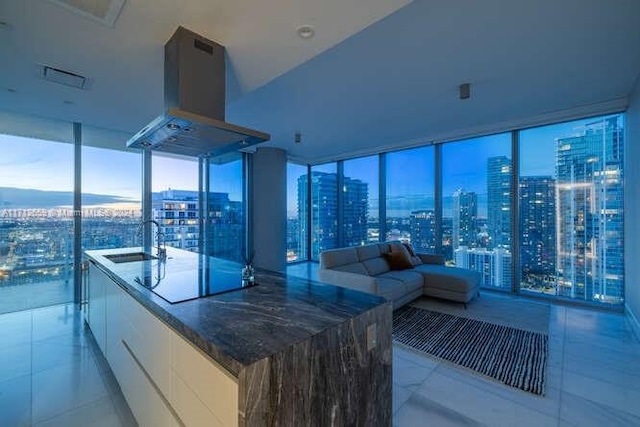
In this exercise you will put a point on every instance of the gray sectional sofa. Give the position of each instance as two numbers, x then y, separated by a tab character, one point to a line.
365	268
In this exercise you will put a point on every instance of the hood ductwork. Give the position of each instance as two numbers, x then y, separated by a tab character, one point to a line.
193	123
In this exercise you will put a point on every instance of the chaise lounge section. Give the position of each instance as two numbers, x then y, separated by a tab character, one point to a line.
367	269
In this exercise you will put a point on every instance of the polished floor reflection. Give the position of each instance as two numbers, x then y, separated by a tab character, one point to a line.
52	374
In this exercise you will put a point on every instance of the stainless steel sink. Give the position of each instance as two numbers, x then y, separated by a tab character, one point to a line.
130	257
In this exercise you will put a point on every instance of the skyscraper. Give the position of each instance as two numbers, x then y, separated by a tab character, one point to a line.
537	231
177	213
324	211
355	199
423	228
465	213
493	265
590	213
499	201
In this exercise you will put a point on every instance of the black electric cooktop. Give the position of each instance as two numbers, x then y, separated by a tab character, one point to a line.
175	284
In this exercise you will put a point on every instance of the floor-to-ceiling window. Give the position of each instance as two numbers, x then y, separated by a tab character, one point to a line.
296	207
226	208
324	208
410	203
174	201
111	208
36	220
360	223
571	210
476	204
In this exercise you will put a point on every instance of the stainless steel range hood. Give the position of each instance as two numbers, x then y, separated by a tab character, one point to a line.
193	123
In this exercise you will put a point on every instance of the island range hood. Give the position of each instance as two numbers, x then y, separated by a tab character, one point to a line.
193	122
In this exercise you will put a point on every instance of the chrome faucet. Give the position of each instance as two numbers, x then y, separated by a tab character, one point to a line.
161	248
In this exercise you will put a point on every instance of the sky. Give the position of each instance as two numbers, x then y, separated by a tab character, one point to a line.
35	164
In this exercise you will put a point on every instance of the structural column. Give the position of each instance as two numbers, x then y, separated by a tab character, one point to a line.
269	208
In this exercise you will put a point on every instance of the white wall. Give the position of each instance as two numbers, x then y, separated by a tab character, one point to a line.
632	210
269	207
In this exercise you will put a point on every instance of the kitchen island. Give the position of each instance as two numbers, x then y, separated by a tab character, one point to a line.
288	351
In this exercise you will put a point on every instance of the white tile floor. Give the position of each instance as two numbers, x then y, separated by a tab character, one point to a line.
52	375
593	379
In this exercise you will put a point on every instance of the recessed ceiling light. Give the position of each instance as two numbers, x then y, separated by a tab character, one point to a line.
12	90
67	102
305	31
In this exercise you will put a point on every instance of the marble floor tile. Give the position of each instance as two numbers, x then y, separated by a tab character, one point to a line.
100	413
410	375
56	321
15	361
420	411
15	401
580	412
606	393
480	405
15	329
47	355
399	396
548	404
64	388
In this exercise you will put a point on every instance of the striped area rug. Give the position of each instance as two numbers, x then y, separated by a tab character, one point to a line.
512	356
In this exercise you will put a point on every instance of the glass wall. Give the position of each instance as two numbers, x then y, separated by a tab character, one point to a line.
175	200
476	204
36	221
571	210
296	204
324	208
226	208
111	208
410	201
360	224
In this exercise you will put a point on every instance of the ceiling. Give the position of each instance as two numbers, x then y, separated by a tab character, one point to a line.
378	73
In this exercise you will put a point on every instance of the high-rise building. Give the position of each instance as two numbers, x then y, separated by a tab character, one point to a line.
225	238
324	211
177	213
493	265
465	214
499	202
423	230
537	231
590	213
355	201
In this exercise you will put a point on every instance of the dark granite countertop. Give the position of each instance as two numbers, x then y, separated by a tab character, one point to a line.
241	327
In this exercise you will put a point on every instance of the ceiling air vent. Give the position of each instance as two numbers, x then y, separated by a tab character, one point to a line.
103	11
64	77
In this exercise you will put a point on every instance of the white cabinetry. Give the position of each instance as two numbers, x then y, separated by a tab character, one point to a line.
165	379
96	315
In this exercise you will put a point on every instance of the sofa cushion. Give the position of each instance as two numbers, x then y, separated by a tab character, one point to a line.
398	261
335	257
398	247
412	280
356	268
376	266
415	259
391	289
367	252
448	278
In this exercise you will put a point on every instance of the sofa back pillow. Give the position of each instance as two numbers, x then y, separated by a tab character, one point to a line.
398	261
415	259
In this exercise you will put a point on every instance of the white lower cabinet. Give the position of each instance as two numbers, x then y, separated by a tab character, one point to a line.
165	379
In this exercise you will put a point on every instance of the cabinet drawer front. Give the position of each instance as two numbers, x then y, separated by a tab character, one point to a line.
190	408
145	402
216	388
149	340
